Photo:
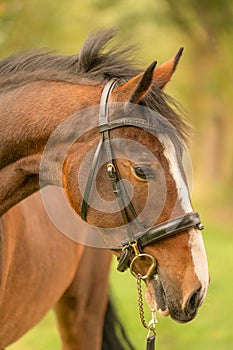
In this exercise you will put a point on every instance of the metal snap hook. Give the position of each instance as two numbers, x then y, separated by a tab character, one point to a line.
151	269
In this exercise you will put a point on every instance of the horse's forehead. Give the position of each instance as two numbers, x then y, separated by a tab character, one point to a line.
143	146
138	134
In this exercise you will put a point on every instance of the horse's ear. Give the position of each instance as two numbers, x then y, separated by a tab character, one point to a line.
137	87
163	73
134	90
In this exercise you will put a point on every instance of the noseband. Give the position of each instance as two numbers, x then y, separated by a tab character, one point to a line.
144	236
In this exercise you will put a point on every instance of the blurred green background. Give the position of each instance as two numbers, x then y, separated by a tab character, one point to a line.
203	85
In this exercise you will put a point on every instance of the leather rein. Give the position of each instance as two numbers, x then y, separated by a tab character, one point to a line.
135	242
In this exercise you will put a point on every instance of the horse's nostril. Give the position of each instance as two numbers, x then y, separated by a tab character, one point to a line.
193	301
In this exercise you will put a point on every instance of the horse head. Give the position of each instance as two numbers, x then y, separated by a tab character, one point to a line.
141	190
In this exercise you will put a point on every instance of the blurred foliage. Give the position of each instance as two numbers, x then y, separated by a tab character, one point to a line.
202	83
213	16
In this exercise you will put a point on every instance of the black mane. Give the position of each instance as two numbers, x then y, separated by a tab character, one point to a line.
93	65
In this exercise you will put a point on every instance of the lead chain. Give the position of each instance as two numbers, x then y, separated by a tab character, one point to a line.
151	325
140	302
150	343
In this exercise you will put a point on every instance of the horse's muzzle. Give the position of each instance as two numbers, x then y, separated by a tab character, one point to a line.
167	303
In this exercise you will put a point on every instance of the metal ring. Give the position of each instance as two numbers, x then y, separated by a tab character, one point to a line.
151	269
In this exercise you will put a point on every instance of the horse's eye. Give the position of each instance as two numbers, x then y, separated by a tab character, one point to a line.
145	172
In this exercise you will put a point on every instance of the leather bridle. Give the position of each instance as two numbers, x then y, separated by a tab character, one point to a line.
135	242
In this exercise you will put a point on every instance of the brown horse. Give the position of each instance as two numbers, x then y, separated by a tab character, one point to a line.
49	135
40	268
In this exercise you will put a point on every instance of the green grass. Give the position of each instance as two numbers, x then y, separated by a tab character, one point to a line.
211	330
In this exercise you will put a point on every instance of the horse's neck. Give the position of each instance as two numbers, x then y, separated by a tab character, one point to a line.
28	116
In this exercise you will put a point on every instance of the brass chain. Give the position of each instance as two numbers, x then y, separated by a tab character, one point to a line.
140	302
152	324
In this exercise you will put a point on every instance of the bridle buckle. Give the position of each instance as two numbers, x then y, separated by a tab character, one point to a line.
111	170
135	247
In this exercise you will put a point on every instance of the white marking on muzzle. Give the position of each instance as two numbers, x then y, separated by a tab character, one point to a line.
195	241
199	259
